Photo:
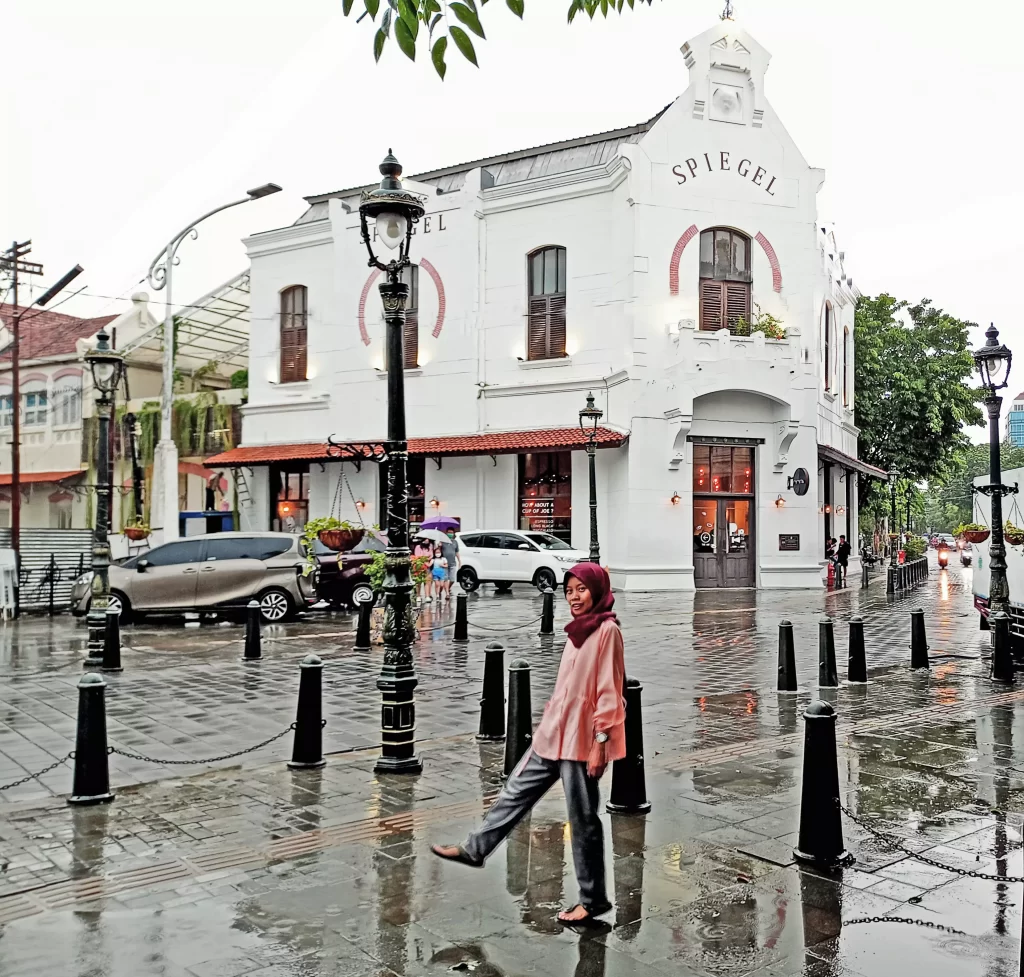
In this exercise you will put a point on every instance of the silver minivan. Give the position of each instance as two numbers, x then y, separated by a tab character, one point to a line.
221	571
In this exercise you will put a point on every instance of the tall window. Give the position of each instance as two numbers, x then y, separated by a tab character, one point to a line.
828	347
293	333
6	410
546	330
289	491
723	468
35	407
846	367
545	493
411	337
725	280
67	401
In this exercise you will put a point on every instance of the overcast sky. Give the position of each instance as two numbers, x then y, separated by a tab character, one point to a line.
130	120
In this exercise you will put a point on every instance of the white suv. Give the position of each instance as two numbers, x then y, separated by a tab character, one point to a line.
504	558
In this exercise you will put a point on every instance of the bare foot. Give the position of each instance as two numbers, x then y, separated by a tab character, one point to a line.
575	915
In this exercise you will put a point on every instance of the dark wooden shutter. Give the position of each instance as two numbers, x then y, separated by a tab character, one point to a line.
737	304
411	340
556	325
293	334
711	297
537	330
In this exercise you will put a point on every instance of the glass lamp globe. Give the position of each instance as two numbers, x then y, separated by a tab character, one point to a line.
391	229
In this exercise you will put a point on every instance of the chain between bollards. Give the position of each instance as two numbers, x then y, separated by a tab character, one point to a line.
39	773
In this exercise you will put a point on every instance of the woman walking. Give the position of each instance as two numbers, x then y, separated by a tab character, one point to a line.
582	731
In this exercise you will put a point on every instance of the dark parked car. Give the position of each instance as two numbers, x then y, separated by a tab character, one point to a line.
343	583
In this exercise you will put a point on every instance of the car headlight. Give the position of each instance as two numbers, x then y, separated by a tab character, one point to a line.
566	559
84	579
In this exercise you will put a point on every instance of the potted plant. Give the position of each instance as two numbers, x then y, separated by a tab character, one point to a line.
335	534
1013	535
973	532
137	530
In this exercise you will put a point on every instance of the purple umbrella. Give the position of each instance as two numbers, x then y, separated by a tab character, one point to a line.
443	523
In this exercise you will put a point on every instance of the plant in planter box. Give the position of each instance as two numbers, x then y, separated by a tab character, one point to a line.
914	548
137	530
376	569
973	532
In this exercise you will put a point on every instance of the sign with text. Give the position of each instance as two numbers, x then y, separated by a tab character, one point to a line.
539	508
789	542
720	161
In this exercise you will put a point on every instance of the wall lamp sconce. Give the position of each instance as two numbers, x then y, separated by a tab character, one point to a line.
435	503
780	502
825	509
840	509
360	504
675	498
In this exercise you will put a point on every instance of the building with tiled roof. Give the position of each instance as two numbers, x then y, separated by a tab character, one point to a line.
677	268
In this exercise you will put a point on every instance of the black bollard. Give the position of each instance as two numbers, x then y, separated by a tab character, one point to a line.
858	671
461	619
253	635
787	658
629	785
1002	655
492	704
828	675
520	714
864	581
91	783
820	841
112	641
363	627
918	641
547	616
890	580
308	745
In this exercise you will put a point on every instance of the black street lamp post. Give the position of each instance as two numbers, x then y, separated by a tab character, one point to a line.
908	494
993	364
893	536
395	212
590	417
107	368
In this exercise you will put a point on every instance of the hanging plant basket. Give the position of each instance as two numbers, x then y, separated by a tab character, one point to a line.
136	533
976	535
341	540
1015	537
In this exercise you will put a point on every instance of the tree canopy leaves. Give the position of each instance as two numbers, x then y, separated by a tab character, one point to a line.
402	19
913	389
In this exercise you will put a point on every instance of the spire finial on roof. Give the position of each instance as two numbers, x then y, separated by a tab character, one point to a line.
728	11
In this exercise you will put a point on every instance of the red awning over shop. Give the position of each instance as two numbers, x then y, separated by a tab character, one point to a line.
28	477
499	443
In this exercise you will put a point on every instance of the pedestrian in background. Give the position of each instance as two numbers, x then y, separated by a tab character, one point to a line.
842	561
581	732
450	549
423	550
439	572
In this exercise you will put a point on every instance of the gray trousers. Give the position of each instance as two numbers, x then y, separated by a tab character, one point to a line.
530	781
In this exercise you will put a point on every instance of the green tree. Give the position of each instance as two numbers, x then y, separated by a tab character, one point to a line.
431	23
950	502
913	391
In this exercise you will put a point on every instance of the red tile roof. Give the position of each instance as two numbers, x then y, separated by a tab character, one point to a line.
501	443
27	477
49	333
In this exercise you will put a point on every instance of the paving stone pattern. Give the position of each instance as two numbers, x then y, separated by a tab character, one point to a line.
257	870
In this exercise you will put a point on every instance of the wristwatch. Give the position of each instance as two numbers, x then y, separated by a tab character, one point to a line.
601	737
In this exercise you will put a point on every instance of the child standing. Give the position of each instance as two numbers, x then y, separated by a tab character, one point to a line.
439	571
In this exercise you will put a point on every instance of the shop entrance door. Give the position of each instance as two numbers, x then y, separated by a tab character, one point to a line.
723	542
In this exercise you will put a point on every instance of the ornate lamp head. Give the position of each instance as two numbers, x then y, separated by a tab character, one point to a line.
590	417
106	366
993	362
394	211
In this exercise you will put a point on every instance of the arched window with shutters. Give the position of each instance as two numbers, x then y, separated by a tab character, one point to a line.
294	320
411	338
545	336
828	347
725	280
846	367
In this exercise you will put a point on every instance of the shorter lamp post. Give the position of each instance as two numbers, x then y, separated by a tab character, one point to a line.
993	364
394	212
908	494
107	368
590	417
893	535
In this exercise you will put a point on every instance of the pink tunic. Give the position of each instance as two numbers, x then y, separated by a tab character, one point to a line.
587	700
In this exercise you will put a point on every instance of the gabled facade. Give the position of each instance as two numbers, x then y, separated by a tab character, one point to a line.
677	269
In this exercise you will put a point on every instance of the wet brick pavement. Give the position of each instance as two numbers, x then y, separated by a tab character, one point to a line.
257	870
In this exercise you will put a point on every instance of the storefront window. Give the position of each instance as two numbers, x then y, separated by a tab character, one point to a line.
723	468
545	493
289	492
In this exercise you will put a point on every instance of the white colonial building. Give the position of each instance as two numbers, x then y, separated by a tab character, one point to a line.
678	269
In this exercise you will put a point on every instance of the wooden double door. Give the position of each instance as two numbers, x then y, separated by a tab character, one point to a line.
724	541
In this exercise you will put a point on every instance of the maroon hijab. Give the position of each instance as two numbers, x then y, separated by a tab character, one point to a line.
596	580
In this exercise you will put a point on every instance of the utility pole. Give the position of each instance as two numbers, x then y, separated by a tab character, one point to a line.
12	260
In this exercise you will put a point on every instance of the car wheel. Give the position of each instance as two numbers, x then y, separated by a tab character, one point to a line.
361	594
545	578
123	605
275	605
468	580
